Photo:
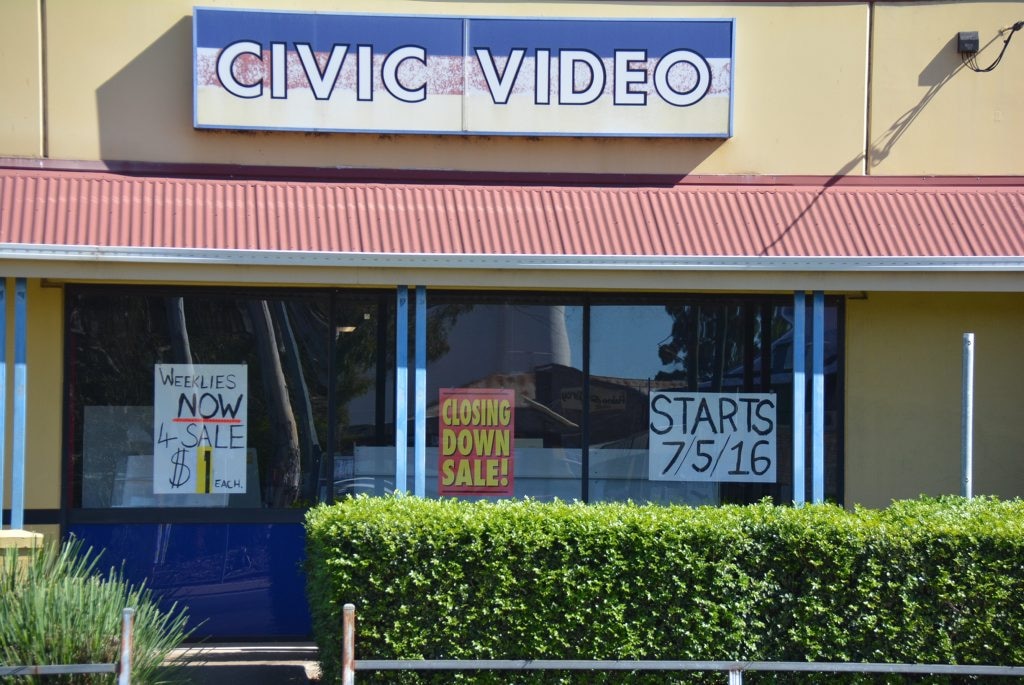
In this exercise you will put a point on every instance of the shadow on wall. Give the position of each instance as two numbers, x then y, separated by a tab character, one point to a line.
145	114
148	103
937	73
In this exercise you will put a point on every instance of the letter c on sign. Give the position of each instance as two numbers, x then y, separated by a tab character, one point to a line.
390	73
226	74
682	98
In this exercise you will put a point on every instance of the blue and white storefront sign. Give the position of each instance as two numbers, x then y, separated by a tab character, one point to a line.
427	74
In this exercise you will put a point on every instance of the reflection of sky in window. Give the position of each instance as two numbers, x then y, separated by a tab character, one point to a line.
625	340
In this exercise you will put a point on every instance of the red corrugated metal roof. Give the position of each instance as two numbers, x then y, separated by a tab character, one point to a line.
61	208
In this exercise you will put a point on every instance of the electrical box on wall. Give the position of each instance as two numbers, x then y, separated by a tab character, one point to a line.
967	42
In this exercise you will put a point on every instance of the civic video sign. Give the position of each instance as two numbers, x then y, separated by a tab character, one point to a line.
717	437
429	74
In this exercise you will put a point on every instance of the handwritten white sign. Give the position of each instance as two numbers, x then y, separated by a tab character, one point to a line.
720	437
199	428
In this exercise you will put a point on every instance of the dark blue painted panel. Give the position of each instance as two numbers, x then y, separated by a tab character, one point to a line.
237	580
710	38
443	35
216	28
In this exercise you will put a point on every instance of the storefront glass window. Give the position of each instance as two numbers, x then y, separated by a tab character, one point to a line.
364	396
721	367
221	399
528	395
522	358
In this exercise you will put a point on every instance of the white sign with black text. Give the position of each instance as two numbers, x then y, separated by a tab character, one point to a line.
200	428
713	437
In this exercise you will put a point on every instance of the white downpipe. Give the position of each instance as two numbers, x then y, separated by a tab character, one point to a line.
967	420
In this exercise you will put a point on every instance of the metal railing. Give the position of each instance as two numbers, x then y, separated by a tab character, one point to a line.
735	669
123	668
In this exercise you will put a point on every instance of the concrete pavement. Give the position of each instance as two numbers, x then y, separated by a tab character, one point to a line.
250	664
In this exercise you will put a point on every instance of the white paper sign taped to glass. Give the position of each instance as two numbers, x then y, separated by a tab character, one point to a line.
199	428
428	74
722	437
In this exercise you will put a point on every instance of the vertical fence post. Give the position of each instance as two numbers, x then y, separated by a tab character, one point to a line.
348	645
735	676
124	668
967	420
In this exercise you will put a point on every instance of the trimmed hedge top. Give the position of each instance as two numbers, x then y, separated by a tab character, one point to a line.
929	580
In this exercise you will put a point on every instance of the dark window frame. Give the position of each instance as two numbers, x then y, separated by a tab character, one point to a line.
71	514
71	511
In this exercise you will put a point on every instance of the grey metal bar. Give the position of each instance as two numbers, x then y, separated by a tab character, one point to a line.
536	665
57	669
650	665
867	667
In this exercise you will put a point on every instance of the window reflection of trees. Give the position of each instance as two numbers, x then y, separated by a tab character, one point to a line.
320	365
114	341
702	343
698	344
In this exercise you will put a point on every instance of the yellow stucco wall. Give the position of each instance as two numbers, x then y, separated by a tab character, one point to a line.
903	395
929	113
21	112
45	360
44	365
132	99
121	90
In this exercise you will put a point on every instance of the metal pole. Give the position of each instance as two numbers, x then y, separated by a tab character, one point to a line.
799	397
735	677
3	391
402	389
124	672
20	400
348	645
818	398
967	420
420	393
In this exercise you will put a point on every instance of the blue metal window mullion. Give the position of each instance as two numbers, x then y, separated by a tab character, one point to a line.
18	458
799	397
818	398
420	453
3	390
401	388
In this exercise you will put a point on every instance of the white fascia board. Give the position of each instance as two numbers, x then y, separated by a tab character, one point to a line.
190	256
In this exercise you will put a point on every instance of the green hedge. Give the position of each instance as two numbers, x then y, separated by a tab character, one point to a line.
939	581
